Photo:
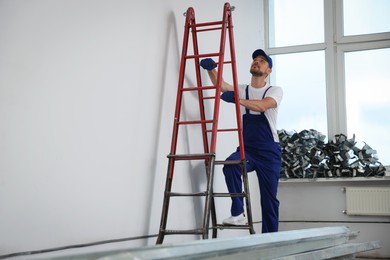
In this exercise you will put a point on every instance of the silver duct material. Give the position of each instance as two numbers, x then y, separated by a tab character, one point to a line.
315	243
306	155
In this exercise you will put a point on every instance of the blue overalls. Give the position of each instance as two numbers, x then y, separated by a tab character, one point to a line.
263	155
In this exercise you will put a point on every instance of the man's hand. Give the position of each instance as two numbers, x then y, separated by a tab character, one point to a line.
228	96
208	64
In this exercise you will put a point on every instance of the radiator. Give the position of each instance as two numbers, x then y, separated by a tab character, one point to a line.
368	201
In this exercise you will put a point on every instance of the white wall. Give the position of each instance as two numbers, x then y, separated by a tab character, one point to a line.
87	95
306	204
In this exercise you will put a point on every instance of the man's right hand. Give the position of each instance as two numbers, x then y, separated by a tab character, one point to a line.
208	64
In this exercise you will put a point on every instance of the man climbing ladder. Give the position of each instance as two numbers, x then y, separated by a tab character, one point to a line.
260	103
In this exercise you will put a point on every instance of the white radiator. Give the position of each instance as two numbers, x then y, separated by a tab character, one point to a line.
368	201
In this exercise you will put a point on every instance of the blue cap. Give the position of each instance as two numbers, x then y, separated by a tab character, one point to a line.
260	52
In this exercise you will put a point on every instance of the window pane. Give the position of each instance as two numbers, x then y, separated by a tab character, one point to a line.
366	16
367	82
291	24
302	77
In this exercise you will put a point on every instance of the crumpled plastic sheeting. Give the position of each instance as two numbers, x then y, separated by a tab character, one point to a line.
306	155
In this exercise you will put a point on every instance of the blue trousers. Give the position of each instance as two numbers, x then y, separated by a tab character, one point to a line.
267	169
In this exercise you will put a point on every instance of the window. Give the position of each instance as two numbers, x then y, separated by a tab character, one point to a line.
290	25
304	74
332	59
366	16
367	83
303	71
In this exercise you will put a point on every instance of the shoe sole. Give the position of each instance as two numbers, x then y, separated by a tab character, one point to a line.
231	224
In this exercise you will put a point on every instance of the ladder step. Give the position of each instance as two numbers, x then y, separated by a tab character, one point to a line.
221	226
209	29
191	156
198	88
224	130
204	193
182	194
205	55
211	97
207	24
242	194
183	232
195	122
228	162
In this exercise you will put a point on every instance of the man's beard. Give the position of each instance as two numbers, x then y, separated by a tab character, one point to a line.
256	73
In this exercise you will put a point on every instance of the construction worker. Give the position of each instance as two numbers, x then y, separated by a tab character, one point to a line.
259	108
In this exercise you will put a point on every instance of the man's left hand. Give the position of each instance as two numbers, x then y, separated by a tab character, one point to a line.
228	96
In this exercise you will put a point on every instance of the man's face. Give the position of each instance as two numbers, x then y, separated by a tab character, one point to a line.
259	67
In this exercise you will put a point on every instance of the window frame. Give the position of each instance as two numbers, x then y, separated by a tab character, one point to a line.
335	47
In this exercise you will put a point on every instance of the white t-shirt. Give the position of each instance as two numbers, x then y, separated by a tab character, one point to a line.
257	93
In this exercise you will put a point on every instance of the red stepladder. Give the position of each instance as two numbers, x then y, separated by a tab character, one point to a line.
209	127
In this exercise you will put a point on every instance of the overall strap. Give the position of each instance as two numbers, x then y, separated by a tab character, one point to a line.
265	92
247	95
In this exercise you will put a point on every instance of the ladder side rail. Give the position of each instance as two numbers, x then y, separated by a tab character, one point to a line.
219	78
239	126
248	204
189	16
171	162
235	85
210	202
199	88
210	165
209	207
166	201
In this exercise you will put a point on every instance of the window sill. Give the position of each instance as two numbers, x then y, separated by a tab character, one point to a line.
338	179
